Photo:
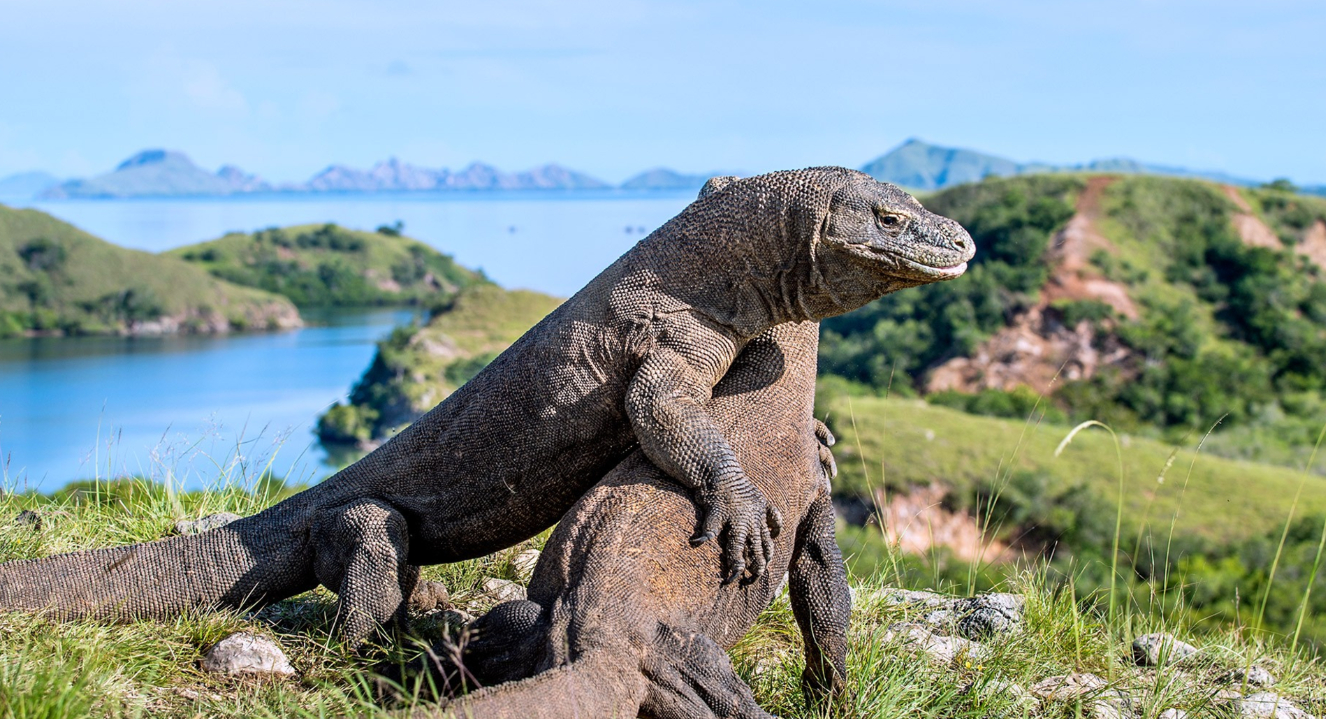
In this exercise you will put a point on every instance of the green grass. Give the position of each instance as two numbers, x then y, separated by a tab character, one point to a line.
78	668
57	278
327	265
908	442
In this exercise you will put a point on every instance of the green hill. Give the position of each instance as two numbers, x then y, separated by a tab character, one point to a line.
417	367
1161	305
55	278
327	265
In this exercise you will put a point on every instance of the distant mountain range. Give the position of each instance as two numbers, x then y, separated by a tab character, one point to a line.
914	164
922	166
166	173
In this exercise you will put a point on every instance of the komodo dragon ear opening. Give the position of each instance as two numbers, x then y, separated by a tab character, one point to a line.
715	184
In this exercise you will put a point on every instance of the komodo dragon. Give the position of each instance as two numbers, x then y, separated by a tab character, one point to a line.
627	360
625	617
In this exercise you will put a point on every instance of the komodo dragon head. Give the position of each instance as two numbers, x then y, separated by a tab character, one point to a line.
853	238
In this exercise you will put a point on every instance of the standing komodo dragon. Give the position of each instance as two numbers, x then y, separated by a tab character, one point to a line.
629	359
625	617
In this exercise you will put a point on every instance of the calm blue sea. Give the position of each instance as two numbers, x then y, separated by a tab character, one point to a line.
183	407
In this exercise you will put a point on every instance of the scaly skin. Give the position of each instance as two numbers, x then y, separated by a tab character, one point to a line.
626	362
625	617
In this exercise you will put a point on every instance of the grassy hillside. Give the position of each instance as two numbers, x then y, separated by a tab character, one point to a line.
327	265
896	444
55	278
54	669
416	367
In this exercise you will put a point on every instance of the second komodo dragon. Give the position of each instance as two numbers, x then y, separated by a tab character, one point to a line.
628	360
625	618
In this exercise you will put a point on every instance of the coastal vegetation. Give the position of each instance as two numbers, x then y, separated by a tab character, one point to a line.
329	266
418	366
57	279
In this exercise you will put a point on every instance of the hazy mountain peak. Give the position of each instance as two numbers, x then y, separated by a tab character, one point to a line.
155	157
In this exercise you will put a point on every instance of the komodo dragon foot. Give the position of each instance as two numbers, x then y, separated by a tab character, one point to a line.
361	554
691	676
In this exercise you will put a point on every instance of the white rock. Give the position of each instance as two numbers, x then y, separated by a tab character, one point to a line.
1094	693
987	614
523	563
1174	714
1150	649
1253	676
940	649
1014	692
1068	687
502	590
243	653
1266	705
211	521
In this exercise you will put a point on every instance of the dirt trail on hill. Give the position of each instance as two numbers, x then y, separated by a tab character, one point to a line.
1073	276
1037	348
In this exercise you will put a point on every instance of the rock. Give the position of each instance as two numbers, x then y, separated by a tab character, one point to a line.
1150	649
456	617
920	599
523	563
1069	687
1094	693
1266	705
429	596
1253	676
28	518
975	618
198	526
1174	714
502	590
944	620
243	653
943	650
989	614
1112	704
1018	696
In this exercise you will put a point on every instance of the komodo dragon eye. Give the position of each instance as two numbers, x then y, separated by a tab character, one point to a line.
891	221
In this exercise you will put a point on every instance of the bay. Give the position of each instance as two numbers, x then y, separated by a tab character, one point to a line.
193	409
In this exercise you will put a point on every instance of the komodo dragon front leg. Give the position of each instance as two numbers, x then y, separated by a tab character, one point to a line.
665	405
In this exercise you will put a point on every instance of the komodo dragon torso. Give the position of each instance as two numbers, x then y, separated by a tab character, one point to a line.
625	617
629	359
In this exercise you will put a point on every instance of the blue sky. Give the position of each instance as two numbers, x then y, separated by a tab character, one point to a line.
283	88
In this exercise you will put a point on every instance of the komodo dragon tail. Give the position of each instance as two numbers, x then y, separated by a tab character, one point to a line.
245	563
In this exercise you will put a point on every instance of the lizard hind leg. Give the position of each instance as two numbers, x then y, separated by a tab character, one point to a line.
361	551
690	676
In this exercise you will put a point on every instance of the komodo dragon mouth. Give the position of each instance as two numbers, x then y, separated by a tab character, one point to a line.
927	272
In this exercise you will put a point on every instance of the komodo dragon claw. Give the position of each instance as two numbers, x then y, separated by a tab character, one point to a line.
749	535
